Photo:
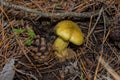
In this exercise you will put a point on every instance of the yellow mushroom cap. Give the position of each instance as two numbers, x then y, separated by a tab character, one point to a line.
69	31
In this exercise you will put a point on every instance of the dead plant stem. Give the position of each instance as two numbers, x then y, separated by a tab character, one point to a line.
109	69
45	14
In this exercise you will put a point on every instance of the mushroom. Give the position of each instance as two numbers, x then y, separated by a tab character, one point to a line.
68	31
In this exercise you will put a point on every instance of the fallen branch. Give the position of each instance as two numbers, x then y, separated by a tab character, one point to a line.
53	15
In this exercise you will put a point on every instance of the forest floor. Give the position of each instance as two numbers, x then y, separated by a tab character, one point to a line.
27	35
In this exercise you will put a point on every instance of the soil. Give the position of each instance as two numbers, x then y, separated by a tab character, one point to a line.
37	60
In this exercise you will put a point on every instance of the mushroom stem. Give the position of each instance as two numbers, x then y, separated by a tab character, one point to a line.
60	44
62	52
67	53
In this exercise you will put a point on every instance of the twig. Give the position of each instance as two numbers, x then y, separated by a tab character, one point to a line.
98	65
109	69
98	18
53	15
84	70
27	74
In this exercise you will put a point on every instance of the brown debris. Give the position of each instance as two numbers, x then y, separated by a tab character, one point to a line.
99	21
